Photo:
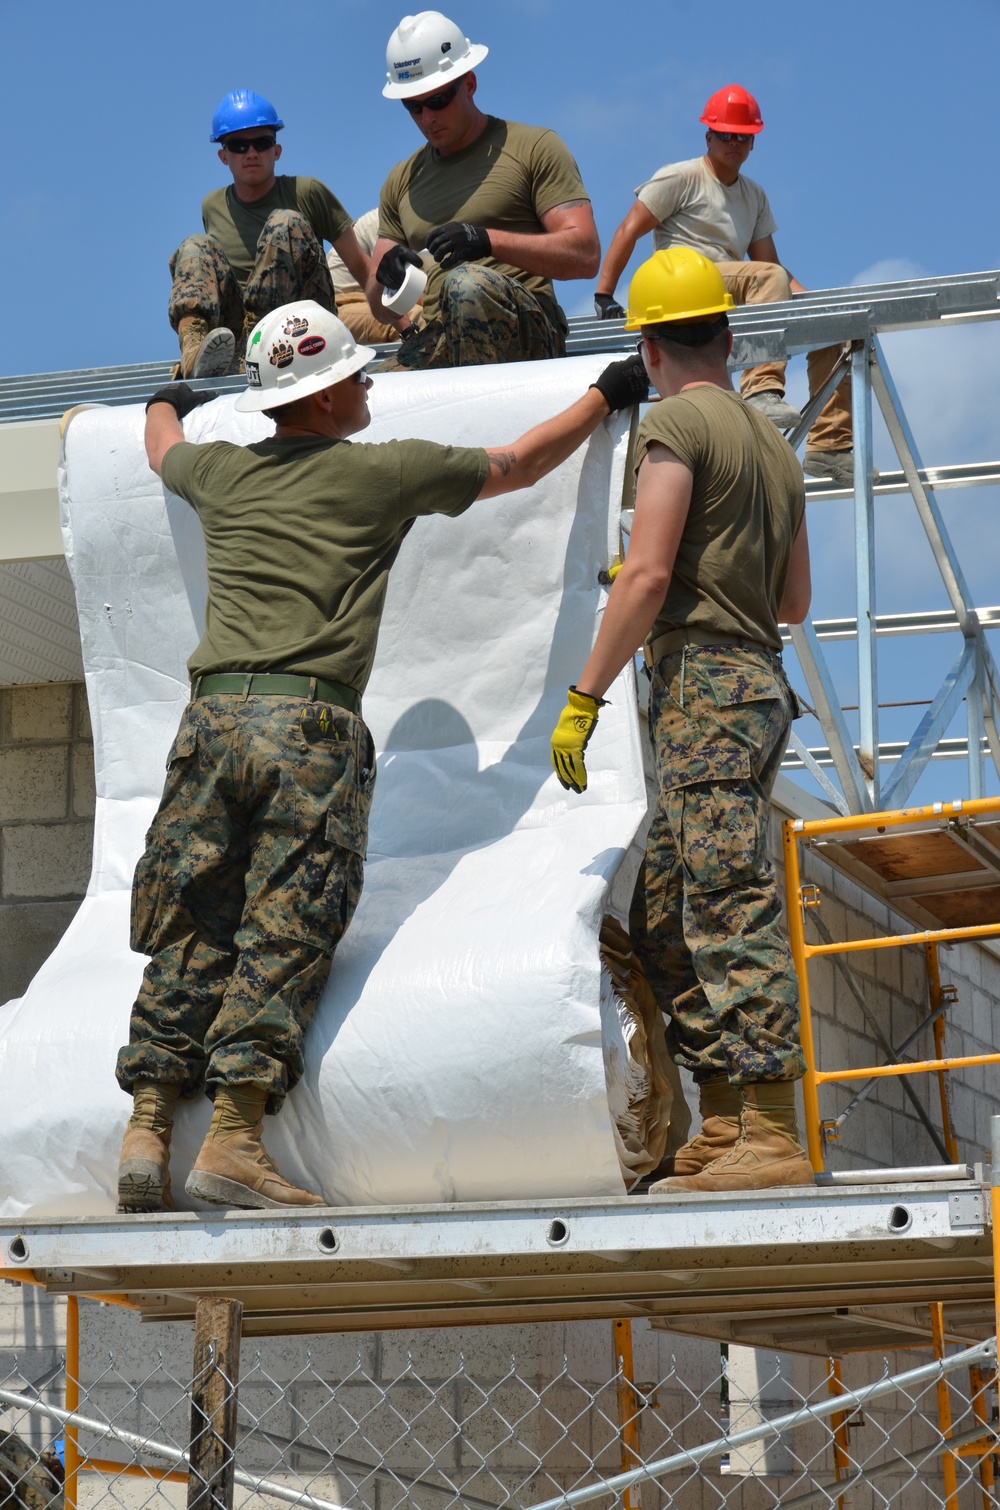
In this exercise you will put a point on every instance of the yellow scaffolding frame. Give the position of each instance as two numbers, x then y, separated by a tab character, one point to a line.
799	898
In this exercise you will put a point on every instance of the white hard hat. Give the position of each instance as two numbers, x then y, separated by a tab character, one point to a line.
427	51
297	350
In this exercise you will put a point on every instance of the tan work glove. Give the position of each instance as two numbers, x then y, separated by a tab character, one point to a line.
570	736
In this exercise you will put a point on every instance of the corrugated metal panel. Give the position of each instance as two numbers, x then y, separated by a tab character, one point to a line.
760	332
39	633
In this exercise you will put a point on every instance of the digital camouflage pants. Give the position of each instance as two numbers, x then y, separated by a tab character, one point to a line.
252	871
706	919
290	265
483	318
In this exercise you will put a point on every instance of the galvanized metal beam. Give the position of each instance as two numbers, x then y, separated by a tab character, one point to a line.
927	735
889	751
975	474
935	621
864	569
828	710
930	515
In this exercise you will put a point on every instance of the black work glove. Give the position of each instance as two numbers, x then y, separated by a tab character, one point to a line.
458	242
607	307
623	383
392	269
181	398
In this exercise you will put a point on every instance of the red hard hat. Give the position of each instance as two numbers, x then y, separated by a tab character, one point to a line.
732	109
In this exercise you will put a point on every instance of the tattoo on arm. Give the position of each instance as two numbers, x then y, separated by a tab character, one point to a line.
571	204
504	461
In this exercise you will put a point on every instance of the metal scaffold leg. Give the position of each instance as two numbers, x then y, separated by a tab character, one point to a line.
628	1406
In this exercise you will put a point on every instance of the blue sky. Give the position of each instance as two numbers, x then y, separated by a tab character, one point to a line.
880	123
877	154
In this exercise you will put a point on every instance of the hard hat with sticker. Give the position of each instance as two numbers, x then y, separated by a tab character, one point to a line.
298	349
425	52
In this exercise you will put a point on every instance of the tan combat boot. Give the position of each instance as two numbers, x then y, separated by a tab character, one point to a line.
144	1166
719	1103
768	1153
240	351
204	352
232	1167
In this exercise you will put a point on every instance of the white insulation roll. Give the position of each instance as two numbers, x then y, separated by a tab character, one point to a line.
459	1050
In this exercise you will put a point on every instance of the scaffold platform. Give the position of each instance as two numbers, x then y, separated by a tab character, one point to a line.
845	1261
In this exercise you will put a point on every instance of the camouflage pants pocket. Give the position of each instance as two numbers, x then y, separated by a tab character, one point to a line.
149	883
307	853
720	836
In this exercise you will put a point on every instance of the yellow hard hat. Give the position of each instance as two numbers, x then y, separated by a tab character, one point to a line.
676	284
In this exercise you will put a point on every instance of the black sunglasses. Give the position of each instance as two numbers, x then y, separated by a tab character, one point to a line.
241	145
433	101
734	136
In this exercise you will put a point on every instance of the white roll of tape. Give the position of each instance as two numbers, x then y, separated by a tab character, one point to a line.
402	299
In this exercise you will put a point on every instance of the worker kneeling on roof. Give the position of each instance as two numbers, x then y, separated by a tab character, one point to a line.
708	204
253	864
500	208
718	557
262	244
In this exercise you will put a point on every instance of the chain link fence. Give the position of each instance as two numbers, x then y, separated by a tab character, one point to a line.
467	1426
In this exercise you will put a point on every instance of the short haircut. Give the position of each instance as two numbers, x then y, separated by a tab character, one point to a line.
283	413
692	334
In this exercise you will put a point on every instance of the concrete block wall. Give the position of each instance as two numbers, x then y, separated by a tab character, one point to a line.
46	822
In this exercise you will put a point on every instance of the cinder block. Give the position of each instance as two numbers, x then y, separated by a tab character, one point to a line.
33	783
52	861
29	931
84	788
985	1017
40	713
887	968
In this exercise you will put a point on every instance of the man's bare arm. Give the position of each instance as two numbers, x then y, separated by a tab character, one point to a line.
797	596
662	501
566	247
765	250
163	430
354	257
541	449
637	223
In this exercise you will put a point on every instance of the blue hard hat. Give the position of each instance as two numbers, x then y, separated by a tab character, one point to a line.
242	108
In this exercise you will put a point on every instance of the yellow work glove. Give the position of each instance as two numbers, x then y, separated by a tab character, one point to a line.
577	722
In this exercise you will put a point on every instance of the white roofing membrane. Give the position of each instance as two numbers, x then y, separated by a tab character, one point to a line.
458	1052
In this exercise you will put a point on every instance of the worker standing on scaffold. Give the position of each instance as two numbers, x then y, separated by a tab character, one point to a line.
718	557
253	864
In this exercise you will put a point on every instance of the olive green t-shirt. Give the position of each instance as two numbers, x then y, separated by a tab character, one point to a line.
236	226
299	537
747	503
506	180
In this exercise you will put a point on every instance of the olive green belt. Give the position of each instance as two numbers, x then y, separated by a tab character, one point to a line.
677	639
277	684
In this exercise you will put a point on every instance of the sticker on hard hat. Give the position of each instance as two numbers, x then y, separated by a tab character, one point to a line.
255	341
295	326
282	354
311	346
253	374
408	63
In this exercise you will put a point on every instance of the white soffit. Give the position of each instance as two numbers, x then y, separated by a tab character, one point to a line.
39	633
29	496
